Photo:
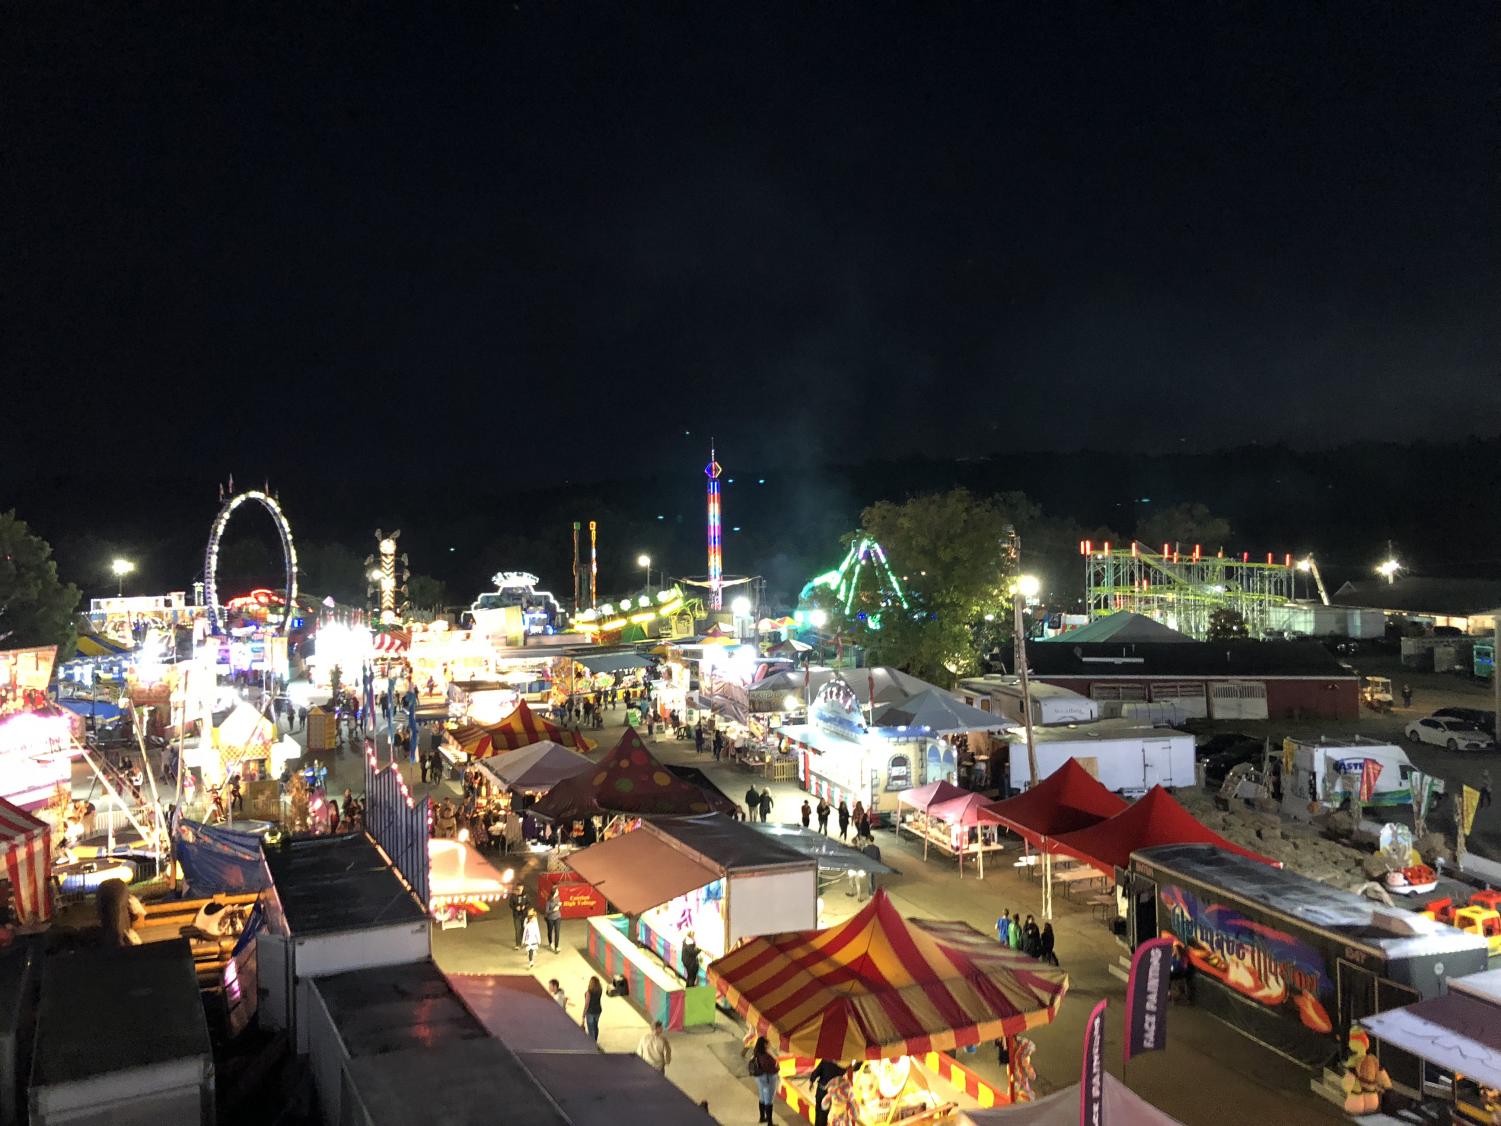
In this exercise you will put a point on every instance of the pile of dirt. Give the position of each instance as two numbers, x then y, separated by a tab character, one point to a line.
1301	847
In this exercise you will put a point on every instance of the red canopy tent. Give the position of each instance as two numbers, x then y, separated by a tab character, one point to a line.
1156	819
921	797
631	780
26	845
879	986
1065	801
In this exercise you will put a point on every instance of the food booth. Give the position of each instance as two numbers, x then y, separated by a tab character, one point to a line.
1449	1044
462	882
959	826
893	995
709	876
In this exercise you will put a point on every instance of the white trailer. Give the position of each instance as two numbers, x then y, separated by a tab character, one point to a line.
1050	704
1127	757
1326	775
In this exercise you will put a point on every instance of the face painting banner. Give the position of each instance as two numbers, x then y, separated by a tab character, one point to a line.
1092	1081
1147	997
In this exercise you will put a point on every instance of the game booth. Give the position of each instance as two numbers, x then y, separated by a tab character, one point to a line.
889	998
462	883
708	876
954	821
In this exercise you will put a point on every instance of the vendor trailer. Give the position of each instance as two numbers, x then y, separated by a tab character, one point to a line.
1327	775
1050	703
1290	962
1127	757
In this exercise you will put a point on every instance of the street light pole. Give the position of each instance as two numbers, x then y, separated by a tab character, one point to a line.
1025	585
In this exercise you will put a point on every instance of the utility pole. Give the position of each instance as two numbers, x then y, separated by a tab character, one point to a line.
1019	644
1496	678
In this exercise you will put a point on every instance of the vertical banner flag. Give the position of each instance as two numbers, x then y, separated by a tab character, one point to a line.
1370	770
1146	997
1092	1081
1469	808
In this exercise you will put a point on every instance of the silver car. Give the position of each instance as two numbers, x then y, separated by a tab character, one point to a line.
1455	734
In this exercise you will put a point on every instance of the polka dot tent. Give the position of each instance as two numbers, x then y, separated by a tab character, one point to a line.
630	780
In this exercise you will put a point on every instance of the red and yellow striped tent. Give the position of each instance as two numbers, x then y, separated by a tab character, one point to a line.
520	729
879	986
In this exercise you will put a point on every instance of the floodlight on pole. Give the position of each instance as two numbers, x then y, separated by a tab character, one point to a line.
120	568
818	617
644	562
1388	570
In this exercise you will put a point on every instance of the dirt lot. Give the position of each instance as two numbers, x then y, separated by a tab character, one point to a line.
1429	692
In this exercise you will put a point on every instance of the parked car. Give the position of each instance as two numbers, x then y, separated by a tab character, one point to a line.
1455	734
1476	717
1218	766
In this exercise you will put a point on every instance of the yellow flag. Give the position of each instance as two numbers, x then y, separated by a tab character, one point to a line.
1289	751
1471	805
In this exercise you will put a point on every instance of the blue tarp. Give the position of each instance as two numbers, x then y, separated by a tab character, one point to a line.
218	860
102	710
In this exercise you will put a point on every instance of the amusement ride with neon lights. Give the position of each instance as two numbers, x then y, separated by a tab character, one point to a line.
211	555
716	552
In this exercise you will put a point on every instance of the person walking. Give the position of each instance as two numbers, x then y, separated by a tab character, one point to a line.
594	1007
752	802
844	820
521	903
654	1048
690	957
822	1075
1045	944
1407	695
555	991
857	813
553	913
1031	938
765	804
1014	932
718	744
531	938
763	1068
862	826
1003	929
698	738
806	813
823	812
1485	789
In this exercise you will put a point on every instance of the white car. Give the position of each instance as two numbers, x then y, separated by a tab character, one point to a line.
1455	734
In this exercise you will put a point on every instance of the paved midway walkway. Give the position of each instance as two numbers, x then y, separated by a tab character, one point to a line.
1208	1073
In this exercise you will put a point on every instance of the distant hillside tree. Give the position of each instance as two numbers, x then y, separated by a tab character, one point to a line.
1184	525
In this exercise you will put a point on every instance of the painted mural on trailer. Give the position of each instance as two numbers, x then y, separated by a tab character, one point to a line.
1254	959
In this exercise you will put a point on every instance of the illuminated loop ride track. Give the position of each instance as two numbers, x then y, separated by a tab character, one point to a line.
211	556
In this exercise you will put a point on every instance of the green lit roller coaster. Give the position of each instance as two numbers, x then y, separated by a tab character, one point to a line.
844	582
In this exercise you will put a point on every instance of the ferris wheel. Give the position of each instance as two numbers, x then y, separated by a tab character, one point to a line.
211	556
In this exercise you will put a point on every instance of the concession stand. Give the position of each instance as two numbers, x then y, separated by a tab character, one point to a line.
461	882
710	877
893	996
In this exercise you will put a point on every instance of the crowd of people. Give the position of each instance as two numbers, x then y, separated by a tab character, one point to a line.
1025	935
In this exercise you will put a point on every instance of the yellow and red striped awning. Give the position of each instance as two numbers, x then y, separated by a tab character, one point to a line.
880	986
520	729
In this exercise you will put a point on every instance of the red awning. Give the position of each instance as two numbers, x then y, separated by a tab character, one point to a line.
1156	819
1067	800
26	848
921	797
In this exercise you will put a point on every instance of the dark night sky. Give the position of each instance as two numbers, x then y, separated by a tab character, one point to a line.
254	239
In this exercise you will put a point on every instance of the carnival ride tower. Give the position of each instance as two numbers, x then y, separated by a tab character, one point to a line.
716	551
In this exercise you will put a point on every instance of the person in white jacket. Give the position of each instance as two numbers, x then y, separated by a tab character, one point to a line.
654	1048
531	937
